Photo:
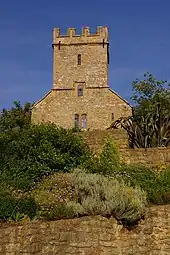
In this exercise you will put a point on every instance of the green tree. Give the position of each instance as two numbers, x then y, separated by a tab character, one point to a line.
150	124
149	94
28	154
17	117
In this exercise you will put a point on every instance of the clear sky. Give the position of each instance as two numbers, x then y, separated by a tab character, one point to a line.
139	32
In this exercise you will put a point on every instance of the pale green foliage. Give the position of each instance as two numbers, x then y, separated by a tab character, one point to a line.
107	161
109	158
97	194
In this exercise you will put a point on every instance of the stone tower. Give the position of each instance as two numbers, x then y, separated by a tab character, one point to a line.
80	59
80	96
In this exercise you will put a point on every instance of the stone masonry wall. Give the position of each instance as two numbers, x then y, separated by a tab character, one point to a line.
96	139
60	107
89	236
97	101
151	156
93	69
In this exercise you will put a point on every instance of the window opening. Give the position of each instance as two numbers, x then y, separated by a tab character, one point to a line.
59	45
80	90
113	117
76	121
79	59
84	121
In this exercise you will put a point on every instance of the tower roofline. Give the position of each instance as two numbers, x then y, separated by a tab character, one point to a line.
101	31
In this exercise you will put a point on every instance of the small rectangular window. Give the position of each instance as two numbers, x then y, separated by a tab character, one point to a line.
79	59
113	117
80	90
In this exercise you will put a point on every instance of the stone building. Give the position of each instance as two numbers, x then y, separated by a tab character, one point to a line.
80	96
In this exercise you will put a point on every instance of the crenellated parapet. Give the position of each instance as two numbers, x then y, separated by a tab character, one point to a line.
86	36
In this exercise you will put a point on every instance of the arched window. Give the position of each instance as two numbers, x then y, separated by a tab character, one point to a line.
84	121
76	121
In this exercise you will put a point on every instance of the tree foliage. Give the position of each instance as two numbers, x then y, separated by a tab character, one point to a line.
150	124
17	117
150	93
26	155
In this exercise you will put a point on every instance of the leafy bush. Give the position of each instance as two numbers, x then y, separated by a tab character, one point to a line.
106	162
56	188
97	194
156	185
109	158
57	211
159	191
29	154
28	206
17	117
13	208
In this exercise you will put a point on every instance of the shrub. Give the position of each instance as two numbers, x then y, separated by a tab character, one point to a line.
29	154
156	185
56	188
109	158
159	191
7	206
106	162
28	206
97	194
16	208
57	211
17	117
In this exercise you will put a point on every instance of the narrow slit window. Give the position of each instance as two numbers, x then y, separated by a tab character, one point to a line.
59	45
76	121
79	59
113	117
80	90
84	121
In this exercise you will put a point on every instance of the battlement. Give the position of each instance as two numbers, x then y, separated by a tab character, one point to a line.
86	36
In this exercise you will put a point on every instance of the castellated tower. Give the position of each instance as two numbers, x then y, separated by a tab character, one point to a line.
80	96
80	58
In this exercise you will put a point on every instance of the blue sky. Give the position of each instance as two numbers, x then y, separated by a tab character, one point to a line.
139	33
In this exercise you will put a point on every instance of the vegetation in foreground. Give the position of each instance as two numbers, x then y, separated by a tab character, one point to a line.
49	173
149	126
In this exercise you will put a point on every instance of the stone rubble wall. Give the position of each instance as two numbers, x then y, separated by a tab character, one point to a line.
94	235
151	156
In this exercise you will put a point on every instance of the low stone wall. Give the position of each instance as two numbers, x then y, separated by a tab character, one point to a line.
151	156
96	138
89	236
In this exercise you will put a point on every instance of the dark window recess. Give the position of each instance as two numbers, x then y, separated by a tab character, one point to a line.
103	43
113	117
79	59
76	121
59	45
80	90
84	121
